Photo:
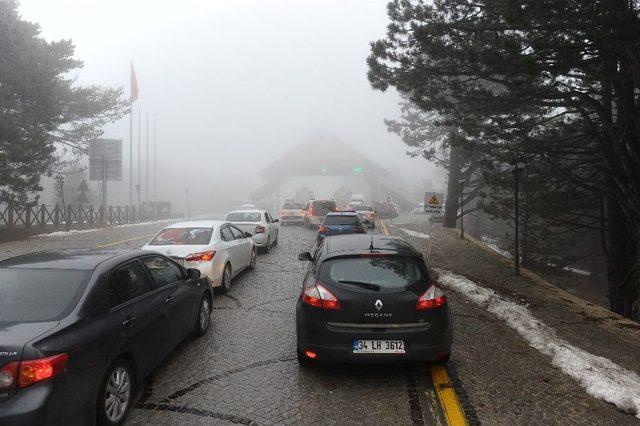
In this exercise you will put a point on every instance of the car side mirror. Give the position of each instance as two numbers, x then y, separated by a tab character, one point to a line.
305	257
276	220
248	235
193	274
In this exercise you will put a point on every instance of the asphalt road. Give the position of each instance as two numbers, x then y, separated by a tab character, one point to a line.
245	370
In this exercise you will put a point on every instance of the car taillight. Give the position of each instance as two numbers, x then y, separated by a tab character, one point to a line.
259	229
8	375
318	296
25	373
312	211
322	229
433	297
204	256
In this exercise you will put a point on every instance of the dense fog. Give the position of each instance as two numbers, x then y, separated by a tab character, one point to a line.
235	86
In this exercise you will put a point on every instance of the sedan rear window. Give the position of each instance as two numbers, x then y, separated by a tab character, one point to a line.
340	220
182	236
362	209
291	206
39	295
323	207
244	217
385	272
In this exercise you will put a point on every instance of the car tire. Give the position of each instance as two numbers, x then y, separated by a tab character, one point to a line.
203	320
253	259
117	383
303	361
226	279
267	246
275	242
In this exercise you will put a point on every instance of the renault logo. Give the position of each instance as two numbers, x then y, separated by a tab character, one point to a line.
378	304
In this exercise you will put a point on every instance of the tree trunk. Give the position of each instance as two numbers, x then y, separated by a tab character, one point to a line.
453	187
622	263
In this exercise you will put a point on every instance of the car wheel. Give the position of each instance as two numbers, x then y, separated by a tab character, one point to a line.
275	242
204	317
116	394
226	279
253	259
267	247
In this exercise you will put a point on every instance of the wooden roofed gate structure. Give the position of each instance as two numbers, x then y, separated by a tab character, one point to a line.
324	154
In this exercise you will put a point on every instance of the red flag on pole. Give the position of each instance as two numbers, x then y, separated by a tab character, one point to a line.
134	84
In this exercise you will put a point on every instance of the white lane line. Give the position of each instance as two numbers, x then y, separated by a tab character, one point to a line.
599	376
84	231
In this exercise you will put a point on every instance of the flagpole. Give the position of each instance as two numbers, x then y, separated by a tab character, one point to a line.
139	156
146	165
131	153
155	168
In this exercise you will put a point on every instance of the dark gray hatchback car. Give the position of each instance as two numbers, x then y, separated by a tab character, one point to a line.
79	330
370	298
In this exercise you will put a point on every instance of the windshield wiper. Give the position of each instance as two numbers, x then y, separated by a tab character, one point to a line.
370	286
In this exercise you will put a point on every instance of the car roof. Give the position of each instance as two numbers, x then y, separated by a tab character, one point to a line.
197	224
351	244
80	259
248	211
342	213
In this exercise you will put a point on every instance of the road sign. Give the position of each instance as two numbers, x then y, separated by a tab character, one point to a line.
433	203
105	154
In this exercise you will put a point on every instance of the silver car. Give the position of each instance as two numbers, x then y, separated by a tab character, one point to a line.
219	250
259	223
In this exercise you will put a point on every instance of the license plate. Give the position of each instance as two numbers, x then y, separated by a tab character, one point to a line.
378	347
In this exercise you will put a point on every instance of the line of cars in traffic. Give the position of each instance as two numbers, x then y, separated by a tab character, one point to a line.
81	328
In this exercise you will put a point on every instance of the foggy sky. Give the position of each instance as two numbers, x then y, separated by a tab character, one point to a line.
234	83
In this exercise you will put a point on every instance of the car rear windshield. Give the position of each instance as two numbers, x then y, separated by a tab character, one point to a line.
386	272
323	207
340	220
244	217
182	236
362	209
39	295
291	206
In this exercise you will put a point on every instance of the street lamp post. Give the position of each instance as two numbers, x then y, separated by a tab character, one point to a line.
518	166
462	210
186	191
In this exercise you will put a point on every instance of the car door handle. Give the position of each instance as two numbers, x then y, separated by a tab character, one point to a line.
169	299
128	323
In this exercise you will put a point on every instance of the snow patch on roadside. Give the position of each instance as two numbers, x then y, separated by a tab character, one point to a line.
85	231
599	376
493	245
415	233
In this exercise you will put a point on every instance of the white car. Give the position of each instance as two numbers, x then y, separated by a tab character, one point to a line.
259	223
219	250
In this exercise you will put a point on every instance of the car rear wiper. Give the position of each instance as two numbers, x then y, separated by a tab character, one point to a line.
370	286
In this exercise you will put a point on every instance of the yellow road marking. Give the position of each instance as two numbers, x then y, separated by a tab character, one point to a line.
383	227
447	397
125	241
453	413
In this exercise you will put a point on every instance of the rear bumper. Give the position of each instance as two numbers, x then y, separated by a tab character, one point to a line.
291	219
260	240
334	344
27	407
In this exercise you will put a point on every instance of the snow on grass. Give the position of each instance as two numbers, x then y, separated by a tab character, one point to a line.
493	245
415	233
599	376
84	231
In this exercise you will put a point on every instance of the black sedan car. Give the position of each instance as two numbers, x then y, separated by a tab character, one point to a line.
369	298
78	330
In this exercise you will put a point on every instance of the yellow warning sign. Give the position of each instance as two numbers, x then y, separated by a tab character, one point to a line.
433	201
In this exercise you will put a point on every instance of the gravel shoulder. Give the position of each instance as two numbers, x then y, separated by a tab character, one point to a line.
506	380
